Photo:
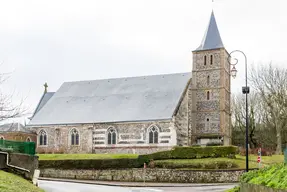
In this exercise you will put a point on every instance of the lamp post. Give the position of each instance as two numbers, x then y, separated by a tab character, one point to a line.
245	90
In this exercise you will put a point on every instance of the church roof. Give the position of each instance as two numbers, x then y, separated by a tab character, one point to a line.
114	100
44	99
14	127
211	39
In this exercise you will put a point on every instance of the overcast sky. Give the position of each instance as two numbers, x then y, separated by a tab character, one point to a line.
64	40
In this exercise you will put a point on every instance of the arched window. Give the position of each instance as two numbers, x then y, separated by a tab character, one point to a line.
208	95
42	137
208	80
74	137
112	136
211	59
205	59
153	134
207	124
28	139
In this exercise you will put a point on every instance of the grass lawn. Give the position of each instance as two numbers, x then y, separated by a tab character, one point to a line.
265	160
85	156
14	183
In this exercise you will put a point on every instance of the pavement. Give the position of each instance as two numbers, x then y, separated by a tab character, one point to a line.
72	186
135	184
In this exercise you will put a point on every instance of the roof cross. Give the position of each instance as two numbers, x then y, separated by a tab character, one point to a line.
46	87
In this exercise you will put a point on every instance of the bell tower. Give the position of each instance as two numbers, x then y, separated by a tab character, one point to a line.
210	90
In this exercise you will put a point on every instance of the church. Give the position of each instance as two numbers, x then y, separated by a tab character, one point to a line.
141	114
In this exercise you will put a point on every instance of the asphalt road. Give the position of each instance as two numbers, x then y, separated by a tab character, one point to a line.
55	186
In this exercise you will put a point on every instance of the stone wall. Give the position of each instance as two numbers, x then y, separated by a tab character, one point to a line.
247	187
152	175
28	162
181	119
131	137
211	95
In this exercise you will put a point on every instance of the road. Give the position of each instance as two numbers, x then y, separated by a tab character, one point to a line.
56	186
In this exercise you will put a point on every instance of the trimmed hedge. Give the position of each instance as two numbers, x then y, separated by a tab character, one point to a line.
196	164
91	163
193	153
175	153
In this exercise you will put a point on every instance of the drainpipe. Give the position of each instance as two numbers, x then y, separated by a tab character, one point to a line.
13	166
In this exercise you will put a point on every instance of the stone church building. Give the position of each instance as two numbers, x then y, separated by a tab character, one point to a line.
141	114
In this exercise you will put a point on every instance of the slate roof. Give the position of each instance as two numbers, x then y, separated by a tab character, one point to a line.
211	39
114	100
14	127
45	98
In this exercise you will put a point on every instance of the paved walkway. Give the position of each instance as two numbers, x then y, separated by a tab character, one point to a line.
135	184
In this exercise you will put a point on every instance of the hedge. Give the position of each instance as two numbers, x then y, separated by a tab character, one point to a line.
196	164
175	153
193	153
91	163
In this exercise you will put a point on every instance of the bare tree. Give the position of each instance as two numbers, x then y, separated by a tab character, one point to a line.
255	116
8	109
271	84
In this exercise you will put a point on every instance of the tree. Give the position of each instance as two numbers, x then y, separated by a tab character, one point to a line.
8	109
255	117
270	83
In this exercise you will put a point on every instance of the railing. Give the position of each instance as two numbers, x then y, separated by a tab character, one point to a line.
18	147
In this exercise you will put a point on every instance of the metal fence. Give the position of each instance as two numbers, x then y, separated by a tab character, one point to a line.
18	147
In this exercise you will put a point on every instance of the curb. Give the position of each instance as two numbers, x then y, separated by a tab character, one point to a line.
131	184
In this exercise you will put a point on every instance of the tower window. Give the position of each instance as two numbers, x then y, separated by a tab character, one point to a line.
207	124
208	80
208	95
204	59
211	59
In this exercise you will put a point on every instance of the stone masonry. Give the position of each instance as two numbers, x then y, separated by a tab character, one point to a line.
152	175
131	138
211	95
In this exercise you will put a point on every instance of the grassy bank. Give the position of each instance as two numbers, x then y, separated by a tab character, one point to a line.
14	183
274	176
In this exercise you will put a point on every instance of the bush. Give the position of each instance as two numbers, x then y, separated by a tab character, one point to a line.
274	176
214	143
92	163
235	189
196	164
192	153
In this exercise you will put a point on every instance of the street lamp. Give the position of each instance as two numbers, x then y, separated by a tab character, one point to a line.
245	90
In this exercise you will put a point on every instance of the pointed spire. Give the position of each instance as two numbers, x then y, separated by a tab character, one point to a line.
211	39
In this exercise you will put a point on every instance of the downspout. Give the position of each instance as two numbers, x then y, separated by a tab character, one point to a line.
13	166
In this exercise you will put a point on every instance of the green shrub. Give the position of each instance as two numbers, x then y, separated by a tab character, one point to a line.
235	189
274	176
214	143
91	163
193	153
196	164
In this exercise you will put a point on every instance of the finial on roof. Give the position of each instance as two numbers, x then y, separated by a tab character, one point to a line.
46	88
211	39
